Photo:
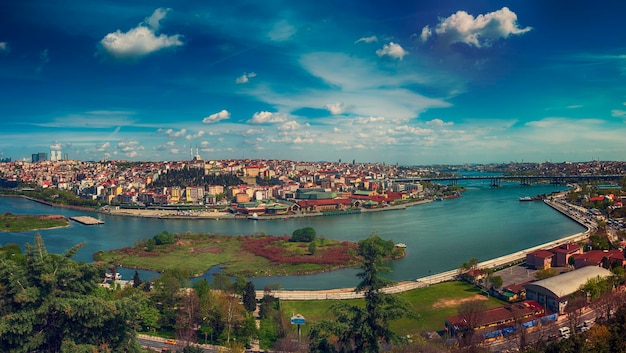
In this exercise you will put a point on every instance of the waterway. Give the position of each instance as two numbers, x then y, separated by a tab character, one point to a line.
485	223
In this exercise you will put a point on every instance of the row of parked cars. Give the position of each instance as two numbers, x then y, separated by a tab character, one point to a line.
566	332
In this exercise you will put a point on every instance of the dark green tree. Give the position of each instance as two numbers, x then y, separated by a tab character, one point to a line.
249	297
362	329
136	280
304	235
50	304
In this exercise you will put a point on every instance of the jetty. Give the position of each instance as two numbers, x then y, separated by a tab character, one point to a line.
86	220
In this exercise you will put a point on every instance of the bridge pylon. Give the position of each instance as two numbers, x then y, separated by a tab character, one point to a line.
495	182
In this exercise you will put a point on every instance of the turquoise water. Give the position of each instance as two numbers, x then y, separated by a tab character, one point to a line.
485	223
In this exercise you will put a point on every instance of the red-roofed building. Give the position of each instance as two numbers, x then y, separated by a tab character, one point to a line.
495	318
563	252
540	259
596	258
325	204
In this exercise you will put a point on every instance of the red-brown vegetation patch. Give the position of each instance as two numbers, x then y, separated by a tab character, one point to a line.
271	248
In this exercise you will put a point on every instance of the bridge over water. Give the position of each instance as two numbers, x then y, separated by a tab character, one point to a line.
525	180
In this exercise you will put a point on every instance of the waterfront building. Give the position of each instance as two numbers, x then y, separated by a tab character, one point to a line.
600	258
556	257
554	292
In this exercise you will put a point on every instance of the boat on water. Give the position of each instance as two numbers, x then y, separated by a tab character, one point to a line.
254	217
528	198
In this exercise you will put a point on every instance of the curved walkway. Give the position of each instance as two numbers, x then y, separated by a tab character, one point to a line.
349	293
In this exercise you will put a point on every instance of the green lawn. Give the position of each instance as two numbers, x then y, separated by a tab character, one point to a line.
22	223
432	305
196	253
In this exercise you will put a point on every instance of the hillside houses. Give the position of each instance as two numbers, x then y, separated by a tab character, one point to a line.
271	186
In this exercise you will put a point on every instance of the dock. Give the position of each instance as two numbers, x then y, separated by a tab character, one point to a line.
86	220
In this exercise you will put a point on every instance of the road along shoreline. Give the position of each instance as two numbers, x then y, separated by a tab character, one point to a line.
517	257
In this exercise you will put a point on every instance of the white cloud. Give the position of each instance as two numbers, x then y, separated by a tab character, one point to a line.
290	126
392	50
616	113
369	39
195	136
480	31
438	123
141	40
103	147
154	20
281	31
336	108
4	47
56	146
173	133
426	33
266	117
219	116
245	78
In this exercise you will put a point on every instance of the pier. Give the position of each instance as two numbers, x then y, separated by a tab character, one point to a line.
86	220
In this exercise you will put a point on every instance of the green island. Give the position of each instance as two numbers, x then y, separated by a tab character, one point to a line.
247	255
22	223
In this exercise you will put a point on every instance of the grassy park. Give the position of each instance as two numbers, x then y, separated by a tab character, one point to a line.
22	223
248	256
431	305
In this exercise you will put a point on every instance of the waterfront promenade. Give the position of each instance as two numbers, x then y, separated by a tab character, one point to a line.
348	293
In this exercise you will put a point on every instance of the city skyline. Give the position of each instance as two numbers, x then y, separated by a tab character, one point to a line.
423	82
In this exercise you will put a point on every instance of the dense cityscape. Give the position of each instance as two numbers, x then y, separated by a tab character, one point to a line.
280	188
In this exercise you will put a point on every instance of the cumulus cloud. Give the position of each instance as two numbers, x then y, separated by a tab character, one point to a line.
219	116
438	123
481	30
369	39
290	126
173	133
336	108
129	147
245	78
195	136
103	147
141	40
392	50
281	31
426	33
266	117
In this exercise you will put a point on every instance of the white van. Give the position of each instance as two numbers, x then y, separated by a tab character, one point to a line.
564	331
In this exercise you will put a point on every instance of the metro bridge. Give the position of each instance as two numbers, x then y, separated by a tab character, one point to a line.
525	180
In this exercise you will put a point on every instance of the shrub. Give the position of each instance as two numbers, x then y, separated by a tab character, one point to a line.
304	235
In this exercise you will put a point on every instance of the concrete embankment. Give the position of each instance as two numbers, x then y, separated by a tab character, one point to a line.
517	257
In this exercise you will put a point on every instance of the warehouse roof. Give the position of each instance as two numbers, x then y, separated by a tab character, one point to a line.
569	282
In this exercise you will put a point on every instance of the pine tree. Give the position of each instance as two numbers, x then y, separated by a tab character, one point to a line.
49	304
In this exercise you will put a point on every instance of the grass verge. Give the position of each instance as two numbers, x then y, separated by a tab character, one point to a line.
431	305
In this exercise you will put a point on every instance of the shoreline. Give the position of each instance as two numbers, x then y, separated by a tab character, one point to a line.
219	215
422	282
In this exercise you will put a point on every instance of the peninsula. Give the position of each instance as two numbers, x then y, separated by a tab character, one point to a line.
23	223
248	256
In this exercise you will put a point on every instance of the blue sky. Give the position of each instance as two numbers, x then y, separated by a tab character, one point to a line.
409	82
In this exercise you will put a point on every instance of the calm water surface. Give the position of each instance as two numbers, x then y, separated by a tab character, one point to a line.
485	223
